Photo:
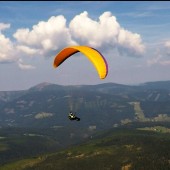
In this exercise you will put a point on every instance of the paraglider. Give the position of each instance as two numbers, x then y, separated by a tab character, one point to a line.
72	116
92	54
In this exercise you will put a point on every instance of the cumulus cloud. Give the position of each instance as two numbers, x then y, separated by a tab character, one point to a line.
54	34
7	53
105	32
27	50
47	37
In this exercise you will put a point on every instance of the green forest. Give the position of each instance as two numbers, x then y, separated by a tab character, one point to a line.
126	148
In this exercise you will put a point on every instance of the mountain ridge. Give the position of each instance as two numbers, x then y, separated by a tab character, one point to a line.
101	105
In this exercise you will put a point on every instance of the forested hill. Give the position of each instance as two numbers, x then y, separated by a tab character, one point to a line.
118	148
102	106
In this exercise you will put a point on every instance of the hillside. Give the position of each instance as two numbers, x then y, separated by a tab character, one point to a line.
104	105
34	123
119	148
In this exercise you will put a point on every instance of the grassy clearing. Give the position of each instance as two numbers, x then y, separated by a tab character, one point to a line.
159	129
139	112
22	164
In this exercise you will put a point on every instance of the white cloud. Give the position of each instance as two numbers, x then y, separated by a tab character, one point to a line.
105	32
23	66
167	44
47	37
7	47
27	50
161	55
4	26
7	53
155	60
130	41
166	49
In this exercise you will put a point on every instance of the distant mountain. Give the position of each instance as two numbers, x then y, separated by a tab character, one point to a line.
6	96
99	106
44	87
157	85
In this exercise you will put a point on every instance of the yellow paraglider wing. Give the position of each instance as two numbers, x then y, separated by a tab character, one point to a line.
92	54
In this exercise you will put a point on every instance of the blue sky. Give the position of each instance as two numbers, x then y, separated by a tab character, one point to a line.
134	37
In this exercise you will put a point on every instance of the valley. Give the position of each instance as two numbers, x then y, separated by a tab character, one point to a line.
121	127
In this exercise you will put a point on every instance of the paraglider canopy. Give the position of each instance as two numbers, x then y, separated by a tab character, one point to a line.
92	54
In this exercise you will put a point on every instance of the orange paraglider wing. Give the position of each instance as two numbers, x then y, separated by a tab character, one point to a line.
92	54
